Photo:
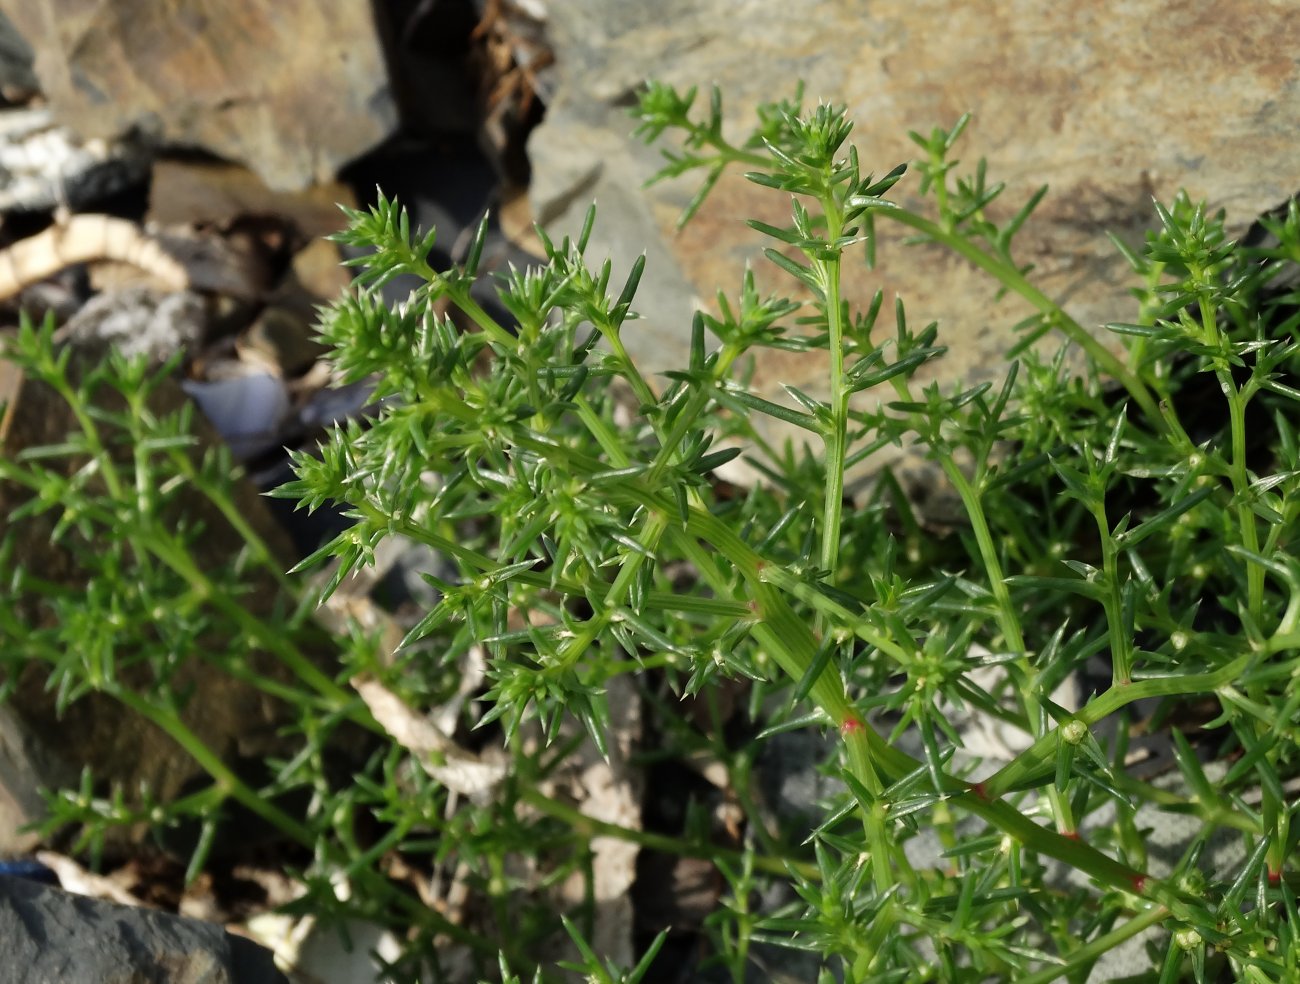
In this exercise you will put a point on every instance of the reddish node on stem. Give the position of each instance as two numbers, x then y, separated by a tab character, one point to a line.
1274	877
759	565
851	726
1139	883
1070	835
978	789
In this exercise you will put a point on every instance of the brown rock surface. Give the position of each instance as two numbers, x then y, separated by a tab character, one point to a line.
293	89
210	192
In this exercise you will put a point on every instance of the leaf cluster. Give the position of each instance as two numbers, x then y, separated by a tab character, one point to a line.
1125	530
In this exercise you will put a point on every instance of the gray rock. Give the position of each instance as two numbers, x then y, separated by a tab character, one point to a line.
17	80
1078	97
26	768
48	935
44	165
138	321
293	90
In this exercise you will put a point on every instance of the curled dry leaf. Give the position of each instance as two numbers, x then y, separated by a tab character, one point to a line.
82	239
74	878
458	770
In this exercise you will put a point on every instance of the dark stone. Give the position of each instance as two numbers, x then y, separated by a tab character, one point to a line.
49	935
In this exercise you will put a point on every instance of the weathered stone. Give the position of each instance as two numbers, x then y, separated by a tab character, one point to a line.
26	767
44	165
17	80
1111	103
290	88
48	935
211	192
137	322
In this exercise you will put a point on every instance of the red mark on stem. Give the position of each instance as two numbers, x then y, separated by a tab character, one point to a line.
1274	876
1070	835
978	789
759	565
1139	883
851	726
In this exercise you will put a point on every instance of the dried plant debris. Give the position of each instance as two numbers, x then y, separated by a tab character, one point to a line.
85	239
515	68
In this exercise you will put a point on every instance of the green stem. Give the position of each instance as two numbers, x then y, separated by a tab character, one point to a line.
574	648
1089	952
1121	643
1014	280
588	827
1007	617
1031	764
836	435
170	723
655	600
236	519
695	405
789	640
171	553
1242	495
107	466
1009	624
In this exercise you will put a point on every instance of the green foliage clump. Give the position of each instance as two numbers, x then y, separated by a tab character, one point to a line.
1138	515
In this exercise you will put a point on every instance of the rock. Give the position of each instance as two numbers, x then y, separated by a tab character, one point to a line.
1082	98
184	191
294	90
318	274
48	935
247	406
17	80
137	321
26	768
44	165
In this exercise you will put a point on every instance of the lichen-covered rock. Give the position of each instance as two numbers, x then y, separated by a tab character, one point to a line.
1110	103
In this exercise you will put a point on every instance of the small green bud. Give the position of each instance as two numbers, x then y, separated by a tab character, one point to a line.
1187	939
1193	883
1073	732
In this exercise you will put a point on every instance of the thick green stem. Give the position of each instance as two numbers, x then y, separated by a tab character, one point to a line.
1034	762
1009	624
836	434
171	553
790	641
1112	602
238	522
1242	493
